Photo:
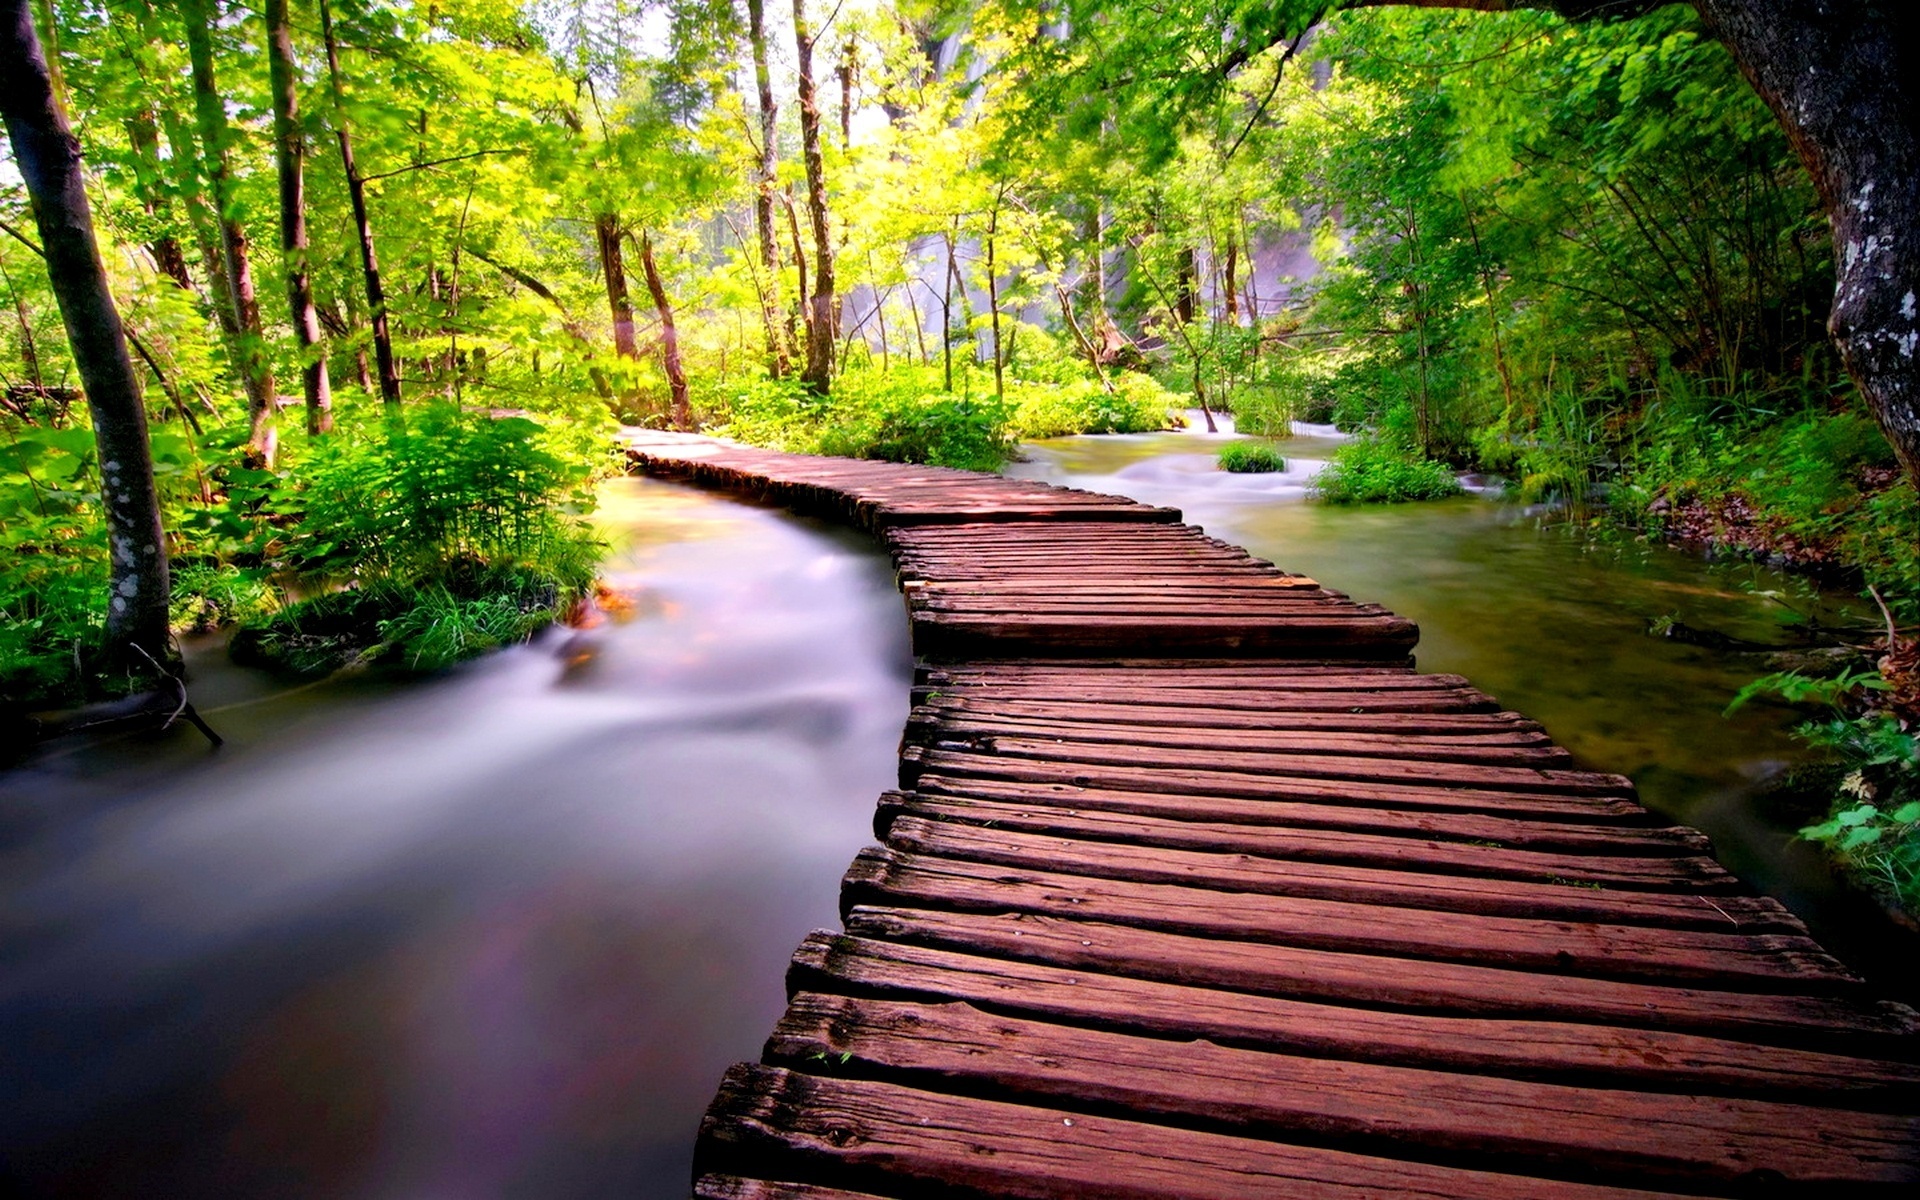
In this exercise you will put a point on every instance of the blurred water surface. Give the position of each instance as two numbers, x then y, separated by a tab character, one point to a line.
495	934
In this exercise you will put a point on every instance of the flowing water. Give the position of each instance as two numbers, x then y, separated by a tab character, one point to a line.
1553	625
496	934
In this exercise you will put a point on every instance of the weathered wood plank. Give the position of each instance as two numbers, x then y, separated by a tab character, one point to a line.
1612	1135
1410	770
1044	830
1493	747
733	1187
1573	1054
1834	1024
1379	918
1564	835
859	1133
920	765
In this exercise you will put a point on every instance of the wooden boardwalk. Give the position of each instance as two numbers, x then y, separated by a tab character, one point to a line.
1194	888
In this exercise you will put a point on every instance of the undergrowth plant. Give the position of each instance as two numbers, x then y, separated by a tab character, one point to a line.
1872	826
1378	469
1244	458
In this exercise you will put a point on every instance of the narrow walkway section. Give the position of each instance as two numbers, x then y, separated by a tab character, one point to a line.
1193	887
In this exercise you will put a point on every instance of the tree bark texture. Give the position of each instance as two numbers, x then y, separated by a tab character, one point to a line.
250	343
823	321
48	157
388	366
777	362
669	336
613	268
290	159
1840	77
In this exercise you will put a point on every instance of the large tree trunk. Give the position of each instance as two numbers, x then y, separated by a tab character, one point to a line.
777	364
1840	75
48	157
823	325
613	267
256	369
388	366
669	336
290	157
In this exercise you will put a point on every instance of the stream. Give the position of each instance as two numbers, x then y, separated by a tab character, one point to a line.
497	933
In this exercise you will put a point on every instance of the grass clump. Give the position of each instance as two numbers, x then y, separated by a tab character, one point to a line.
1380	470
429	543
1251	458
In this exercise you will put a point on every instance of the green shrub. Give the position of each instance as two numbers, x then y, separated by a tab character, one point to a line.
1250	458
1372	470
448	486
1137	404
208	596
421	624
1872	827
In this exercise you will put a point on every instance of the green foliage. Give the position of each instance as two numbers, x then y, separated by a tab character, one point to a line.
1375	469
209	596
421	624
1251	458
446	487
1137	404
1873	825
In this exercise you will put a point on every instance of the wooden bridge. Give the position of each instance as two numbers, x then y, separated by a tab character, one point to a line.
1193	887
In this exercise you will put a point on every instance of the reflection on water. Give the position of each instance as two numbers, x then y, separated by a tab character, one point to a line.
1554	626
497	934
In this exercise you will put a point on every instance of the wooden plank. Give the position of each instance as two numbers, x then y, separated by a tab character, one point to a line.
1491	747
733	1187
1052	828
1610	1135
1248	700
1574	1054
1408	771
925	768
859	1133
1518	833
1388	914
961	705
1835	1024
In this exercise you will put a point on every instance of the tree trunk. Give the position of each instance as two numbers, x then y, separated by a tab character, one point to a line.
823	304
777	363
849	66
1841	78
256	370
143	135
357	197
613	267
1183	286
1230	284
669	337
290	158
993	307
205	225
48	157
